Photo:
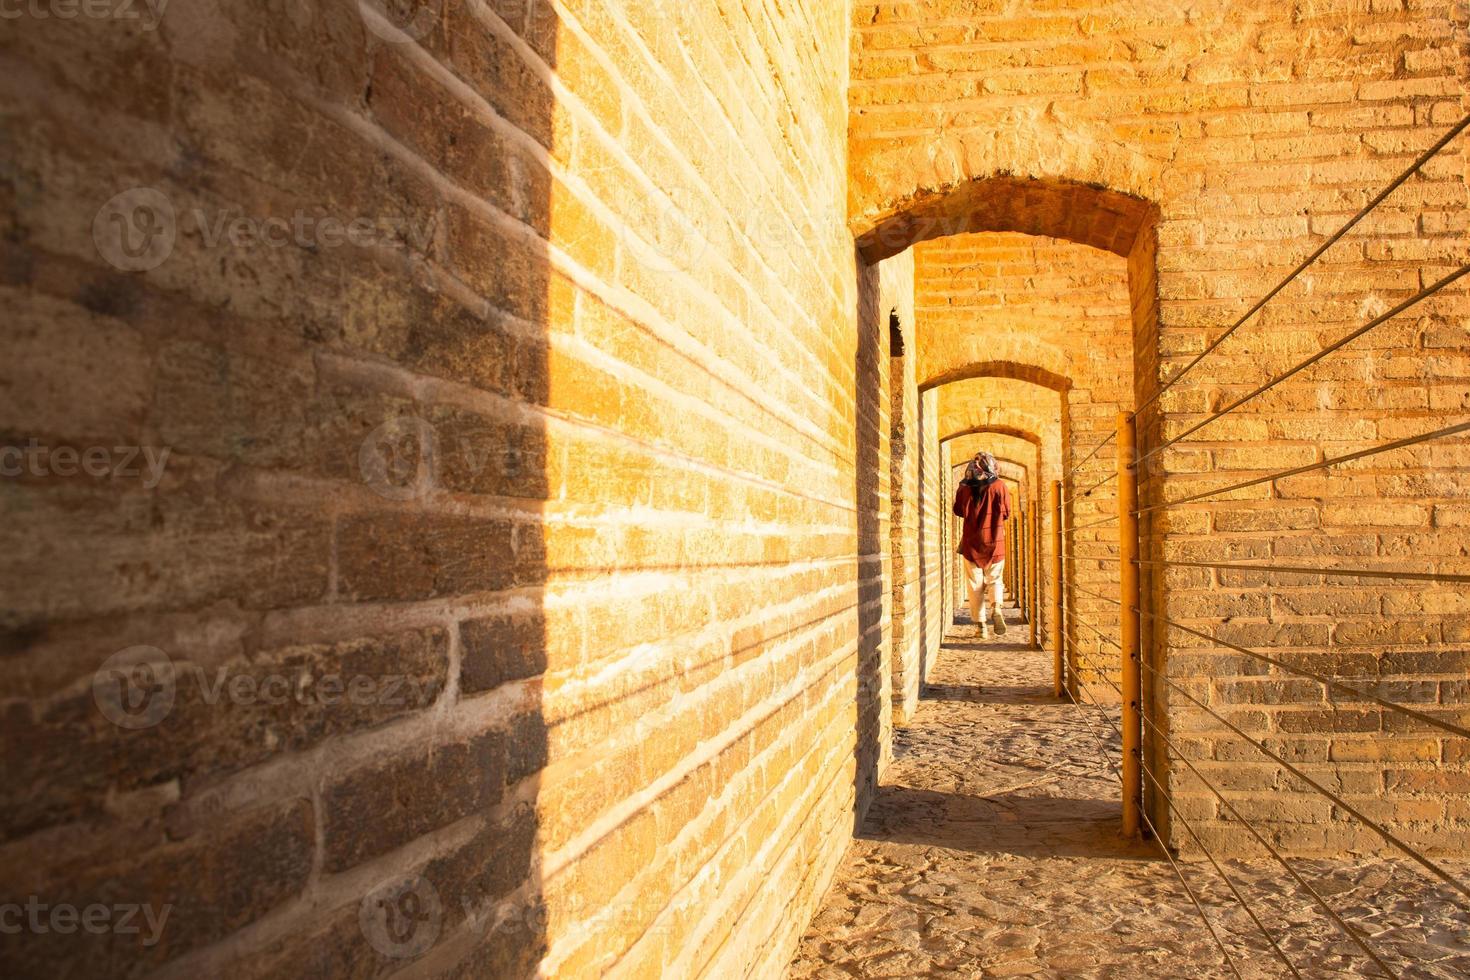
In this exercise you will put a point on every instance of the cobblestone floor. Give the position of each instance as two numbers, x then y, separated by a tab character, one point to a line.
992	850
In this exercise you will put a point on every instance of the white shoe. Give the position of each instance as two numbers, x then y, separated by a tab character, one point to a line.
998	618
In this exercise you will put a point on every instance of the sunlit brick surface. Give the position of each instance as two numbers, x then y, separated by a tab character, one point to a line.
501	534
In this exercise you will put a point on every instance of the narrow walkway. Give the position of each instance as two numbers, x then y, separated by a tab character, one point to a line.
992	850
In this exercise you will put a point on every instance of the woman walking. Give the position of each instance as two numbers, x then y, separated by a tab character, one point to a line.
983	503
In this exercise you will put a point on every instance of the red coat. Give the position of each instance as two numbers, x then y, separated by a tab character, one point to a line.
984	508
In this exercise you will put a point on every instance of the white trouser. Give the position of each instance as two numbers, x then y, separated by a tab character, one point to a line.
985	584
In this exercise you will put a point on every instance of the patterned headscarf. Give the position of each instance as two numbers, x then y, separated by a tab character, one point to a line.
982	467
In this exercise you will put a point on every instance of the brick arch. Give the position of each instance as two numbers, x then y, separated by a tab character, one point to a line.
1000	399
1000	430
1010	445
994	354
999	418
1033	373
1029	169
1057	207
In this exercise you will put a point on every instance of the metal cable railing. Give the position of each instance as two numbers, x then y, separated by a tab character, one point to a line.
1328	682
1316	254
1302	365
1404	443
1178	871
1378	573
1341	803
1098	523
1339	692
1095	450
1332	914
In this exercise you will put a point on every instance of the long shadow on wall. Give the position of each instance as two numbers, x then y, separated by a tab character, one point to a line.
277	712
872	701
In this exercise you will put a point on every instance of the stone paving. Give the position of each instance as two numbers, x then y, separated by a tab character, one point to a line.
992	850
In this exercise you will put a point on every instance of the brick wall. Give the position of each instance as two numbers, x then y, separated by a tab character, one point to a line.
1212	147
513	364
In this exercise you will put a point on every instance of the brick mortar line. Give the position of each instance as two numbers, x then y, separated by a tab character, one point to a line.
805	191
675	152
374	136
787	852
918	78
589	677
692	830
438	391
303	773
323	893
701	406
636	101
703	926
1140	115
781	67
618	814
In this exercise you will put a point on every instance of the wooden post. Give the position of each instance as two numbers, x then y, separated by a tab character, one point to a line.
1022	537
1056	585
1009	578
1131	653
1018	555
1015	585
1032	592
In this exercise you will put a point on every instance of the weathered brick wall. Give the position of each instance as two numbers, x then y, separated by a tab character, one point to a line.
1215	145
515	367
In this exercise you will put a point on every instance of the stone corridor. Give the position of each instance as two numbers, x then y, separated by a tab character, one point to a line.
991	850
477	481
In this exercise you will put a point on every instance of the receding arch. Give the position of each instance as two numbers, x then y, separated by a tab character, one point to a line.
1000	430
1057	207
1033	373
1009	355
1024	480
961	442
998	417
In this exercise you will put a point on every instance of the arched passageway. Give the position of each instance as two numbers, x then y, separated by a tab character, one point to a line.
476	482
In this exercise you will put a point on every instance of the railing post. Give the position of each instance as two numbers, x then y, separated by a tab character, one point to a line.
1031	577
1020	522
1010	565
1056	585
1131	652
1020	561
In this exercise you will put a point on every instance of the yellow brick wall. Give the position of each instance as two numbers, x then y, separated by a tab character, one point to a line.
590	441
515	360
